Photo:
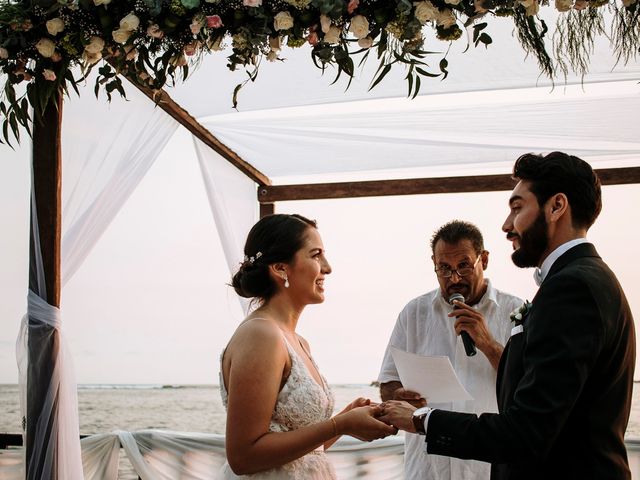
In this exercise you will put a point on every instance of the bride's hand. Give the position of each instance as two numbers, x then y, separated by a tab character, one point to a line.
358	402
360	422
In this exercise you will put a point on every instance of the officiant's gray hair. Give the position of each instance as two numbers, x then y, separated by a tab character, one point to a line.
455	231
273	239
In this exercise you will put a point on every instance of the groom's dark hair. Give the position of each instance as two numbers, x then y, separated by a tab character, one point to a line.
559	172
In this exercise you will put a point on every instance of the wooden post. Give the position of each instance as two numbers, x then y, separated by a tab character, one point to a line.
43	343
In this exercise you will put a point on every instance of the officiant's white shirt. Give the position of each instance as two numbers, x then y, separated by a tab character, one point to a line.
423	327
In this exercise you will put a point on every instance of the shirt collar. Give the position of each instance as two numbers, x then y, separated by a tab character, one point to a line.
541	273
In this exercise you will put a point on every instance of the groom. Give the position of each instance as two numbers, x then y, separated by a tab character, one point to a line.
566	375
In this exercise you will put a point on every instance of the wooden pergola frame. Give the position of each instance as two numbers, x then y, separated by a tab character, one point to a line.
47	182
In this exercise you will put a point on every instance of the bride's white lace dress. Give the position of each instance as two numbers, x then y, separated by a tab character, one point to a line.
301	402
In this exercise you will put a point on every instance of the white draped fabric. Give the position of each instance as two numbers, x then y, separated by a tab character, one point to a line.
167	455
102	165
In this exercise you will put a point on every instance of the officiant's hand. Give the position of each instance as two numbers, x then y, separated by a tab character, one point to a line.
398	414
473	322
408	396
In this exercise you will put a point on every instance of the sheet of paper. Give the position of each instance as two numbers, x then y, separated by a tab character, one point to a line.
432	377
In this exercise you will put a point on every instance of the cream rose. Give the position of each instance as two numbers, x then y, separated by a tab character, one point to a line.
628	3
426	11
282	21
252	3
196	25
130	23
91	58
275	43
564	5
101	2
446	18
272	56
55	26
452	2
325	23
359	26
366	42
45	47
120	35
49	74
95	45
4	53
532	6
333	35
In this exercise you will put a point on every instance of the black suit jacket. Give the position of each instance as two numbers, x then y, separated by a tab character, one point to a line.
564	384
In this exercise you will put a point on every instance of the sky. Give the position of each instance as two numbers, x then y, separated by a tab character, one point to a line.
151	303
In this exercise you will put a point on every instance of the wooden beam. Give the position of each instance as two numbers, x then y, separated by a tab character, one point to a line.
43	341
267	209
164	101
418	186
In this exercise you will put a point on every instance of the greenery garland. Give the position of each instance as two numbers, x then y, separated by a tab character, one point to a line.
153	42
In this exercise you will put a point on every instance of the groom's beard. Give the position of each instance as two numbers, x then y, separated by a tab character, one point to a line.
533	243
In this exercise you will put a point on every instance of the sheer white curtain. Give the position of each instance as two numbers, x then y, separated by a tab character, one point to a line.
233	201
107	150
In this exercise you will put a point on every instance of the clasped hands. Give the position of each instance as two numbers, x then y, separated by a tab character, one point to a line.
367	420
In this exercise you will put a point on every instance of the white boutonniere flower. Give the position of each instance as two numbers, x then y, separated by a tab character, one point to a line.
518	315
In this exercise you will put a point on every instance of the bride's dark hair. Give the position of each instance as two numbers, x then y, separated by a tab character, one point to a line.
275	238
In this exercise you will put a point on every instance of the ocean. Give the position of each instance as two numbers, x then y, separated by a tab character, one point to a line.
187	408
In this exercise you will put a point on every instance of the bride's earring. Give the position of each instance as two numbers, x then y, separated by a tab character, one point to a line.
286	282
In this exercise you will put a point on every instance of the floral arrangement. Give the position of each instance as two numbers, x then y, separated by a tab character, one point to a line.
152	42
517	316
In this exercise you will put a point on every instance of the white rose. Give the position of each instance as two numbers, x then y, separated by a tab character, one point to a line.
366	42
45	47
120	35
130	23
55	26
283	21
359	26
446	18
101	2
333	35
252	3
4	53
532	6
91	58
426	11
325	23
564	5
95	45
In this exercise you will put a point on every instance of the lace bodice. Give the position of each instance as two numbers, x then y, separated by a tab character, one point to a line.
301	402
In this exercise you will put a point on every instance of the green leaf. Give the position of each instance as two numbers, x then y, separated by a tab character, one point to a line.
384	72
415	93
234	99
477	29
425	73
443	68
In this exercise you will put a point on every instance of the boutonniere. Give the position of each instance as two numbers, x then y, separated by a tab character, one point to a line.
517	316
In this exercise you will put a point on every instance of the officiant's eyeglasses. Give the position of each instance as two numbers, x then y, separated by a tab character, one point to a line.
463	270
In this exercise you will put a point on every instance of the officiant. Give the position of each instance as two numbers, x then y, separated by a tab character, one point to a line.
435	324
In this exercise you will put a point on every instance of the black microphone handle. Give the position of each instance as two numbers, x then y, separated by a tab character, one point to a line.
469	345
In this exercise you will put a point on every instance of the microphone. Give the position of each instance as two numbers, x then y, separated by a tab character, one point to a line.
467	341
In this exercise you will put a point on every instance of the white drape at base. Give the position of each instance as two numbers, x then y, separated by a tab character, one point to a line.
167	455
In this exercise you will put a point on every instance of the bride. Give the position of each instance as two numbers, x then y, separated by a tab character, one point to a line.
278	404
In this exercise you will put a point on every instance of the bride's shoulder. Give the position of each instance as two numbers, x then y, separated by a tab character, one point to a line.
258	331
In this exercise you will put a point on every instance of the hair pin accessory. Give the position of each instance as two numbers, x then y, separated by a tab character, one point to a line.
252	258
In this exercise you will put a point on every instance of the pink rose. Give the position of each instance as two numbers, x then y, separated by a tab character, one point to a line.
312	38
581	4
252	3
214	21
49	74
353	4
56	57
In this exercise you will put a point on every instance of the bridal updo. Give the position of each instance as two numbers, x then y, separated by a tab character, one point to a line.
275	238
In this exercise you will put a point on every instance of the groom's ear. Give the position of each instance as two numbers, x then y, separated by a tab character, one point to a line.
557	206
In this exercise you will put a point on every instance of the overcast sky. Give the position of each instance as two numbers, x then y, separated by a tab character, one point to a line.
151	304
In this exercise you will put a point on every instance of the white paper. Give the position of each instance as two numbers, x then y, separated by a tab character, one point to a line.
432	377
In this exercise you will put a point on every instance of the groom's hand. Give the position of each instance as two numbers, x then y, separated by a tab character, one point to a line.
398	414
